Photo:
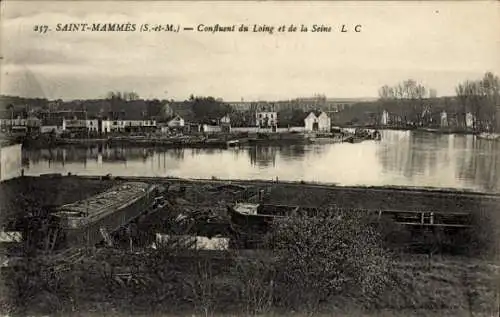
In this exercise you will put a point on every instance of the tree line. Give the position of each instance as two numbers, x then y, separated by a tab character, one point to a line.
479	97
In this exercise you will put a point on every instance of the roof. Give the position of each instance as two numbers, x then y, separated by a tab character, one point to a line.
176	116
66	114
183	109
93	107
135	110
113	198
5	114
52	121
317	113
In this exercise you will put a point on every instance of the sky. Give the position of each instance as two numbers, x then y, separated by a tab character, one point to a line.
438	44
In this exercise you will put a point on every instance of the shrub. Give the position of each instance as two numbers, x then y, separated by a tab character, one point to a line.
320	257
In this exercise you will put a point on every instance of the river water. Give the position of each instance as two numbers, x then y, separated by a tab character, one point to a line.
402	158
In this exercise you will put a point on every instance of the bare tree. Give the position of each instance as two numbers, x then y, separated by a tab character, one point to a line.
130	96
125	95
490	89
480	97
461	92
409	95
386	92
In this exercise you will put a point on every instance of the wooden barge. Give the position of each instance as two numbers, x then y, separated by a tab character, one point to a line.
88	222
259	217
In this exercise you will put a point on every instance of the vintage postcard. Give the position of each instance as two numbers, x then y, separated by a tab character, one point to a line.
249	158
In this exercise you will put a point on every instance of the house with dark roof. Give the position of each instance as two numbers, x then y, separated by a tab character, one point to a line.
52	125
74	121
127	121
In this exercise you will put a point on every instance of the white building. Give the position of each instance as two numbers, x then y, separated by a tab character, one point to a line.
266	119
469	120
207	128
106	126
74	124
384	120
176	122
225	120
225	123
138	125
317	122
444	119
92	125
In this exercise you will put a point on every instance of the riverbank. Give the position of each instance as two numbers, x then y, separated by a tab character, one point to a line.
220	140
55	189
210	198
234	282
439	130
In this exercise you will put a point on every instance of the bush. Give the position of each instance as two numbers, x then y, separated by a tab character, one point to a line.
327	256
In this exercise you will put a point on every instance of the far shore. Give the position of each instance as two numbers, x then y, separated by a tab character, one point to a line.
219	140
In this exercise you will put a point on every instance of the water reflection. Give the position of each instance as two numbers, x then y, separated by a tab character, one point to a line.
442	160
263	156
401	158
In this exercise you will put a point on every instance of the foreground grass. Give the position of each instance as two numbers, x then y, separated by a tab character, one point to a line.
448	286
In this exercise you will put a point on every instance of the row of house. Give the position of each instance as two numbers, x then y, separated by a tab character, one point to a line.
77	121
265	119
80	121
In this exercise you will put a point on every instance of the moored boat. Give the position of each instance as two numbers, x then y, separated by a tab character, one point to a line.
259	217
361	135
233	143
87	222
489	136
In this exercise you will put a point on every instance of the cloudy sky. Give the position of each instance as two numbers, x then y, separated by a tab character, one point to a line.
436	43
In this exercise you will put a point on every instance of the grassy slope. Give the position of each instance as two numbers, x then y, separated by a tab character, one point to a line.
449	286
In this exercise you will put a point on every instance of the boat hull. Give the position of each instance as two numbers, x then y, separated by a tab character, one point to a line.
489	136
267	214
93	230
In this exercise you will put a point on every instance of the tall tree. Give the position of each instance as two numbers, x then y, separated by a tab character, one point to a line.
409	96
480	97
209	109
385	92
